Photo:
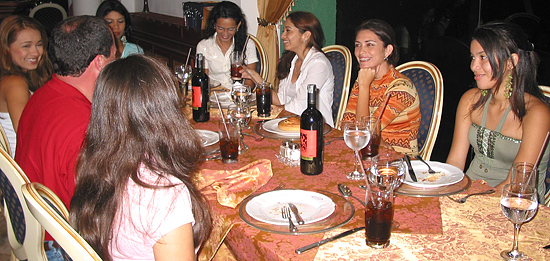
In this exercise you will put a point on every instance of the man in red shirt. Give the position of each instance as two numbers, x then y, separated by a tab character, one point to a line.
54	121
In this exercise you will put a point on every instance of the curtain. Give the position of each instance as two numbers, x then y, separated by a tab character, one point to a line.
271	12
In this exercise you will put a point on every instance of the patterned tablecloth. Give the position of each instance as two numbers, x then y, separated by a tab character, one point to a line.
430	228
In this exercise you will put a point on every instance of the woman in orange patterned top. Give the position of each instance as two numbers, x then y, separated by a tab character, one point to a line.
377	55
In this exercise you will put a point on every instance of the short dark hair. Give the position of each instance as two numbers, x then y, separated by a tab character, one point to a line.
386	33
114	5
76	41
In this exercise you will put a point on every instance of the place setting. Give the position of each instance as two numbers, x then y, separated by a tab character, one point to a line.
283	128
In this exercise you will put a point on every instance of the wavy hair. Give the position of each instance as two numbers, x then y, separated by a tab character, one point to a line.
500	40
385	32
304	21
226	9
114	5
135	121
9	30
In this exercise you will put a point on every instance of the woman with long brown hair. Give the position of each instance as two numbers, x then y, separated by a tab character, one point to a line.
25	67
134	198
302	63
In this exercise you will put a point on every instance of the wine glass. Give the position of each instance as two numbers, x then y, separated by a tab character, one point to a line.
183	74
240	117
240	94
387	170
519	204
356	136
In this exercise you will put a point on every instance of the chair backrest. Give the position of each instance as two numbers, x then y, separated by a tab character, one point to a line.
4	144
48	14
546	91
48	209
263	66
340	59
428	81
25	235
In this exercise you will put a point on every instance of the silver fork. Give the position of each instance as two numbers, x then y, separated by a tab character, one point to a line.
463	200
430	170
285	211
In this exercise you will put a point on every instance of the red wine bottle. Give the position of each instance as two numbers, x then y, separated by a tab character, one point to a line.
311	135
201	92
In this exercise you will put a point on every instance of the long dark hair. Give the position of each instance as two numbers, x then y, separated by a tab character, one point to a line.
9	30
386	34
226	9
304	21
114	5
500	40
135	121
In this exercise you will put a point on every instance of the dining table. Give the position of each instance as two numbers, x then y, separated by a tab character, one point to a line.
430	227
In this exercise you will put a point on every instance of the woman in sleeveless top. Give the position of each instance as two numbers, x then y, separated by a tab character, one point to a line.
505	118
25	67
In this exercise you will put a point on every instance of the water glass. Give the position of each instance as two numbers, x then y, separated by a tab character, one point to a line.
524	173
387	170
378	216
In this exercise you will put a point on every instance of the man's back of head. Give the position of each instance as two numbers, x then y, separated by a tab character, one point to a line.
76	41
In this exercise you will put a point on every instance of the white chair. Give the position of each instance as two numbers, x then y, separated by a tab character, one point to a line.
48	209
263	65
48	14
340	59
428	81
25	235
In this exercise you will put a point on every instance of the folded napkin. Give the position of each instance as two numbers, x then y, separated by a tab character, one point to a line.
233	186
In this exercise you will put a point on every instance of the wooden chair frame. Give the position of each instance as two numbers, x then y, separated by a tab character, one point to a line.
346	82
264	69
546	91
427	147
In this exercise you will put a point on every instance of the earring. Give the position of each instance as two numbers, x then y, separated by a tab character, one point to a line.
385	58
509	89
484	93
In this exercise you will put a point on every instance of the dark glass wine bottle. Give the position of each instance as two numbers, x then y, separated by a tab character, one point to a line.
311	135
201	92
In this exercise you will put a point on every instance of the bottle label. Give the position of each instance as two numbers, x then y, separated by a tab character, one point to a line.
308	142
197	97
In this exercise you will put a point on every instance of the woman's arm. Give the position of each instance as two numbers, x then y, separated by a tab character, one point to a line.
250	82
176	245
460	146
364	79
15	91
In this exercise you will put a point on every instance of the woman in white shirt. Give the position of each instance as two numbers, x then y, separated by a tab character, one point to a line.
226	32
301	64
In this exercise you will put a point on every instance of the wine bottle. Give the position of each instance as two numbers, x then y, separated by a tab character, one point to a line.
201	92
311	135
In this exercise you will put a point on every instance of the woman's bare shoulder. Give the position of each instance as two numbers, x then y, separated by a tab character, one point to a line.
12	83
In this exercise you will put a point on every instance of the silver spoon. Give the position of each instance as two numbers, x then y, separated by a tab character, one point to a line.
463	200
346	192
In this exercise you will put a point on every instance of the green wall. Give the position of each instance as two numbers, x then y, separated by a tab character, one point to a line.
325	11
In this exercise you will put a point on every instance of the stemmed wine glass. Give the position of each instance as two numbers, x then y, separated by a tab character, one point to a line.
356	136
183	74
240	94
387	170
519	204
240	117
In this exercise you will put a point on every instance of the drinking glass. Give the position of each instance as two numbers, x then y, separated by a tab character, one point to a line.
387	170
240	117
183	74
378	216
263	99
524	173
229	142
240	94
356	136
519	204
373	145
236	66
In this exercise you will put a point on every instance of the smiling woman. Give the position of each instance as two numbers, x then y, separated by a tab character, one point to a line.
25	67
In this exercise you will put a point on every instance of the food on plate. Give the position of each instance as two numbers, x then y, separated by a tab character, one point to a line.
433	177
290	124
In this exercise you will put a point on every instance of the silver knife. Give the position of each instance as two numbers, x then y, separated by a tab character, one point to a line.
324	241
296	214
411	170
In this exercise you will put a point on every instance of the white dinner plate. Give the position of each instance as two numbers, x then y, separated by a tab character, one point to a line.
273	127
208	137
223	97
449	175
312	206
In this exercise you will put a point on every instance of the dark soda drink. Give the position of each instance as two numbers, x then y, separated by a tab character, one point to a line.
378	221
229	149
263	101
236	72
372	147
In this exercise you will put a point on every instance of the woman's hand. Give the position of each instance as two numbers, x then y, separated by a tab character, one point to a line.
248	73
366	76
